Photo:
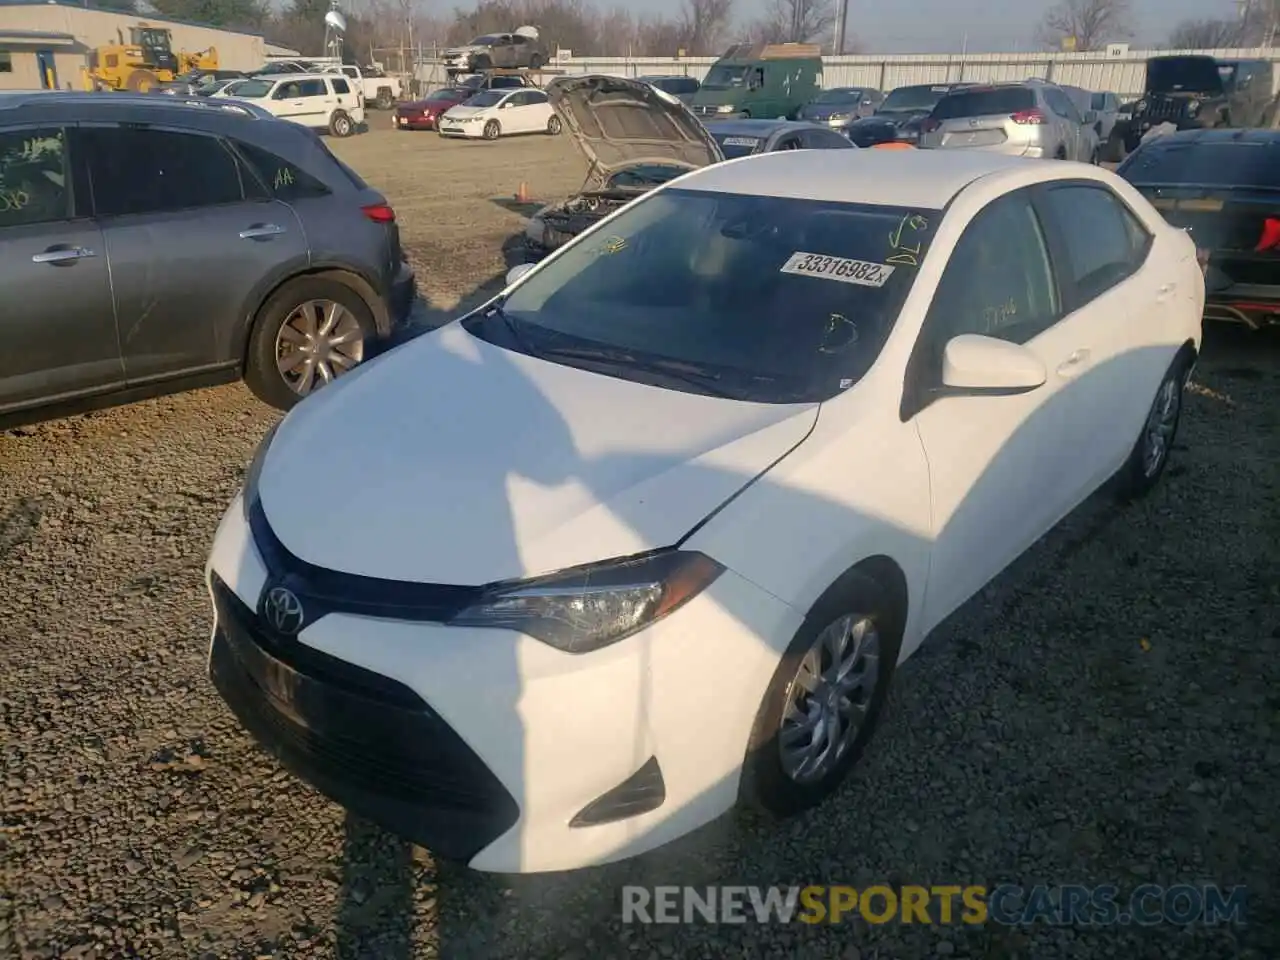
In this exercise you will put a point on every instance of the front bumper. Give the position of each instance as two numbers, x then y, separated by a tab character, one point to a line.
508	717
469	130
414	123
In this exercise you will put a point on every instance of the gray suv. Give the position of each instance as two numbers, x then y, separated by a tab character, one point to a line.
1030	119
154	244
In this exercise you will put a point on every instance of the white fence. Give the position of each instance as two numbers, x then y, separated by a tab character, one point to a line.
1123	74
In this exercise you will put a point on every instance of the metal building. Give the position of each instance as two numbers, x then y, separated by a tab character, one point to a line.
46	44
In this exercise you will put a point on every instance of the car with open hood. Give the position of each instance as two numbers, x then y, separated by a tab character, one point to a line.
634	137
899	115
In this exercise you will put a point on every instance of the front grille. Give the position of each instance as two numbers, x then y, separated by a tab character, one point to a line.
366	741
1164	109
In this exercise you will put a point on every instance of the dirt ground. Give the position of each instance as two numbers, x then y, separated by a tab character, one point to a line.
1106	712
455	199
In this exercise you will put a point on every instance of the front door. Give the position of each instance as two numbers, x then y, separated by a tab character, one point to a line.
999	466
189	245
58	325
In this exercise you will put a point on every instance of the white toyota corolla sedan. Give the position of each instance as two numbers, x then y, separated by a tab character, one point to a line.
647	534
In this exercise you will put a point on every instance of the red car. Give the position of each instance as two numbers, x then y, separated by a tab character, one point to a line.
423	114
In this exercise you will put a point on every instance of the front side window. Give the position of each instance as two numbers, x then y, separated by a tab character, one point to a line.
136	171
1099	235
765	299
249	89
33	176
998	283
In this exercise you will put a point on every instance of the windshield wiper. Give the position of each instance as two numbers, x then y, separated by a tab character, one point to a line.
692	374
497	309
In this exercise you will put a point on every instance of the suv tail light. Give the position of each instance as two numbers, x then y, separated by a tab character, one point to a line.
928	125
1035	117
1202	258
379	213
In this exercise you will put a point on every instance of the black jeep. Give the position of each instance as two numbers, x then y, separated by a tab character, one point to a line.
1194	92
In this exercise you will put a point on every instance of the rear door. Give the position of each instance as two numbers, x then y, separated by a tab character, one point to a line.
191	236
1067	126
1118	296
981	119
58	326
347	96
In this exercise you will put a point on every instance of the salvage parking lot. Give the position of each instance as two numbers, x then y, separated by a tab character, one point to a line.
1106	712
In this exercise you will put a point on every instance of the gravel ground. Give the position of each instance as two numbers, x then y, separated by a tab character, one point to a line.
1107	712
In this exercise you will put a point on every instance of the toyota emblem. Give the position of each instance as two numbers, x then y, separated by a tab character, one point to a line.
283	610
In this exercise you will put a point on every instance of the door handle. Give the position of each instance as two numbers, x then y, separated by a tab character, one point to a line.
1074	364
65	255
1166	291
261	231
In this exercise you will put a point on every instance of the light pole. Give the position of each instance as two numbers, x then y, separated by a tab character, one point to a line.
842	17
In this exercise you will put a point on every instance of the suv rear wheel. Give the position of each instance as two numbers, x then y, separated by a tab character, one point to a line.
310	332
341	124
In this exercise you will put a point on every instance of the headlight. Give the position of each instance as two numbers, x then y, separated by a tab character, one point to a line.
1140	107
250	489
585	608
725	108
1193	107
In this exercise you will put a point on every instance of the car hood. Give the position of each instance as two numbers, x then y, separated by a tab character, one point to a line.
464	463
470	48
617	123
459	111
427	104
825	111
895	120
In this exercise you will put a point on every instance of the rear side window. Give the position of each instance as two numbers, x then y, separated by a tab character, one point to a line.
312	88
1224	164
1105	243
340	86
33	176
142	170
981	103
286	181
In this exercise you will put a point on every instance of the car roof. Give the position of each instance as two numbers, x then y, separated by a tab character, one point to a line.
748	127
926	179
1218	135
36	103
292	77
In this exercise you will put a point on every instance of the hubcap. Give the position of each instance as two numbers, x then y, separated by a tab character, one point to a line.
828	699
1161	422
318	341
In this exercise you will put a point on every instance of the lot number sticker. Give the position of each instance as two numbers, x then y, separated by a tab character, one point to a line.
860	272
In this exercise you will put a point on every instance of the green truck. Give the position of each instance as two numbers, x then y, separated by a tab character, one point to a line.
761	80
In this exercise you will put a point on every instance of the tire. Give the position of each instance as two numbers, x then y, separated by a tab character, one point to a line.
774	785
1061	154
1150	454
341	124
492	130
141	81
536	62
268	348
482	63
553	127
384	99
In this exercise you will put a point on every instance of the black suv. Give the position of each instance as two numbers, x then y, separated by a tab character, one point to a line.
154	244
1196	91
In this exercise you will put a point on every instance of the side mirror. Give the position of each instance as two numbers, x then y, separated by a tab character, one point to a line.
975	364
1091	116
508	105
518	271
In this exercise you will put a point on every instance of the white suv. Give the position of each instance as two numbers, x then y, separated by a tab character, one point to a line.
323	100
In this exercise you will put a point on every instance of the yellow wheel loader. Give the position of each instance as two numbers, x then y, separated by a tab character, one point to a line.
147	60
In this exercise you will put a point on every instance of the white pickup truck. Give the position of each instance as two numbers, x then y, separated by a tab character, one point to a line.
375	87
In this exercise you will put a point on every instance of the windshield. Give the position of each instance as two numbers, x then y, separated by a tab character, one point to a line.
489	98
644	175
1225	163
454	94
251	89
982	103
766	299
1183	75
920	98
723	76
211	87
733	147
839	95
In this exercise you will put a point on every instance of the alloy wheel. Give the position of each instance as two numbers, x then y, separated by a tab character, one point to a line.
319	341
828	699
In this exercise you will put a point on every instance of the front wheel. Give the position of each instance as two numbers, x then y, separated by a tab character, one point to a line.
824	700
492	131
1150	454
341	124
310	332
553	126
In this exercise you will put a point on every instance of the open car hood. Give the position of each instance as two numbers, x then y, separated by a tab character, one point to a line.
619	123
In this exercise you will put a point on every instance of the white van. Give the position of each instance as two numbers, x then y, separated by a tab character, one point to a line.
326	101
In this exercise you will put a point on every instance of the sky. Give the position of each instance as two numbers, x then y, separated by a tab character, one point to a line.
939	26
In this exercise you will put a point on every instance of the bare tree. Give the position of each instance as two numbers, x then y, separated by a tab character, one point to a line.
779	22
1205	34
1259	23
1093	23
705	24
